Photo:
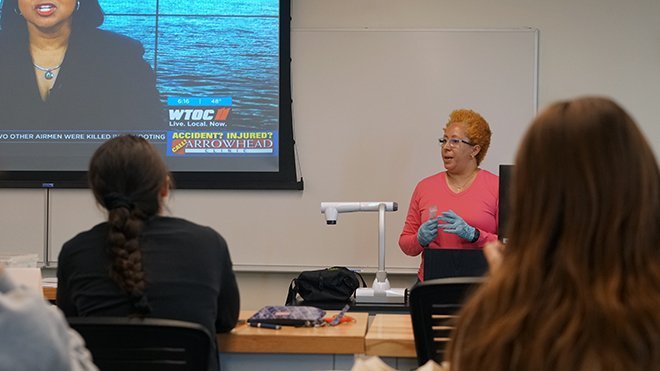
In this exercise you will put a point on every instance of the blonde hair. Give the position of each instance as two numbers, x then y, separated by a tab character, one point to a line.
476	128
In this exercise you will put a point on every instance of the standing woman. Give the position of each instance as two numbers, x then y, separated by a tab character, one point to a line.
59	71
139	262
456	208
578	285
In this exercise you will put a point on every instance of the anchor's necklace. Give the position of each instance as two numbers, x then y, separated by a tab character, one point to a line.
48	72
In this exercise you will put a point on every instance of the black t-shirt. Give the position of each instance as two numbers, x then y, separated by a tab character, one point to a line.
188	272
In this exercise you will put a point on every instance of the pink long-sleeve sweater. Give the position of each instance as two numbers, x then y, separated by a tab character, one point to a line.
477	205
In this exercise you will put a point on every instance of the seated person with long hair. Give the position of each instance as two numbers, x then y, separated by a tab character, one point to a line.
577	286
140	262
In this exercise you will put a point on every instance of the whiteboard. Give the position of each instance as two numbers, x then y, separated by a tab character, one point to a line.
405	82
368	107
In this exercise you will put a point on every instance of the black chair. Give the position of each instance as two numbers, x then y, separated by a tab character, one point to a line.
433	307
148	344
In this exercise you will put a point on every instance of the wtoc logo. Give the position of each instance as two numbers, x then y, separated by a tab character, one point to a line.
198	112
219	114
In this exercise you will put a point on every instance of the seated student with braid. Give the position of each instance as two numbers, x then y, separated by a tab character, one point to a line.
140	262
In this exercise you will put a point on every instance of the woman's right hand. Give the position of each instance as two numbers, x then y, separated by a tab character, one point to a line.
427	232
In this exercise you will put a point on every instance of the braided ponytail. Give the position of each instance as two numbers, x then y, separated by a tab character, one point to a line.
127	175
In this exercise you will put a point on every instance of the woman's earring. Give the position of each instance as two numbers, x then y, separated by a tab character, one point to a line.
17	11
77	5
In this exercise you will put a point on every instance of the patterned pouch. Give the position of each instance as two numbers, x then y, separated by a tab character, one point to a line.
289	316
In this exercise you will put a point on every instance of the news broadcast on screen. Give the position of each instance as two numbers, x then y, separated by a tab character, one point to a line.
206	81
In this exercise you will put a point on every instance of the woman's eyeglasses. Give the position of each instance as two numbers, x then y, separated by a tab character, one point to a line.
453	142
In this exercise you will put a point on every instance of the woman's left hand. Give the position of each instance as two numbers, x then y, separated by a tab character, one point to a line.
456	225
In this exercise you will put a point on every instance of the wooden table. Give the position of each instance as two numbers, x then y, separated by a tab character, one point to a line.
50	293
391	335
305	348
346	338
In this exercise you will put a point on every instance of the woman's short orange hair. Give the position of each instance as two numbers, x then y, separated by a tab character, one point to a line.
476	127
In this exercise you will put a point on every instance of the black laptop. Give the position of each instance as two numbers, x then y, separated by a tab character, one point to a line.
445	263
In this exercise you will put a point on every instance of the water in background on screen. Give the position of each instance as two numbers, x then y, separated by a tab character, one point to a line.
209	48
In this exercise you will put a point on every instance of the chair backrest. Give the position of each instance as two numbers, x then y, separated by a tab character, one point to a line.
433	307
126	344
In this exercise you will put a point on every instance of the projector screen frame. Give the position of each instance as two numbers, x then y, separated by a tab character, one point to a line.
286	178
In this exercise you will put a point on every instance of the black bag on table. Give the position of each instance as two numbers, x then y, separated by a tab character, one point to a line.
336	284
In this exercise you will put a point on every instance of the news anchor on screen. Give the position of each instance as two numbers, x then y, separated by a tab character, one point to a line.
59	71
456	208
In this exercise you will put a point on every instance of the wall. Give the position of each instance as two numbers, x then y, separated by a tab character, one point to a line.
603	47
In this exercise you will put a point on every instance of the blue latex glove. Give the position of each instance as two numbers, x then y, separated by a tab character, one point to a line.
456	225
427	232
